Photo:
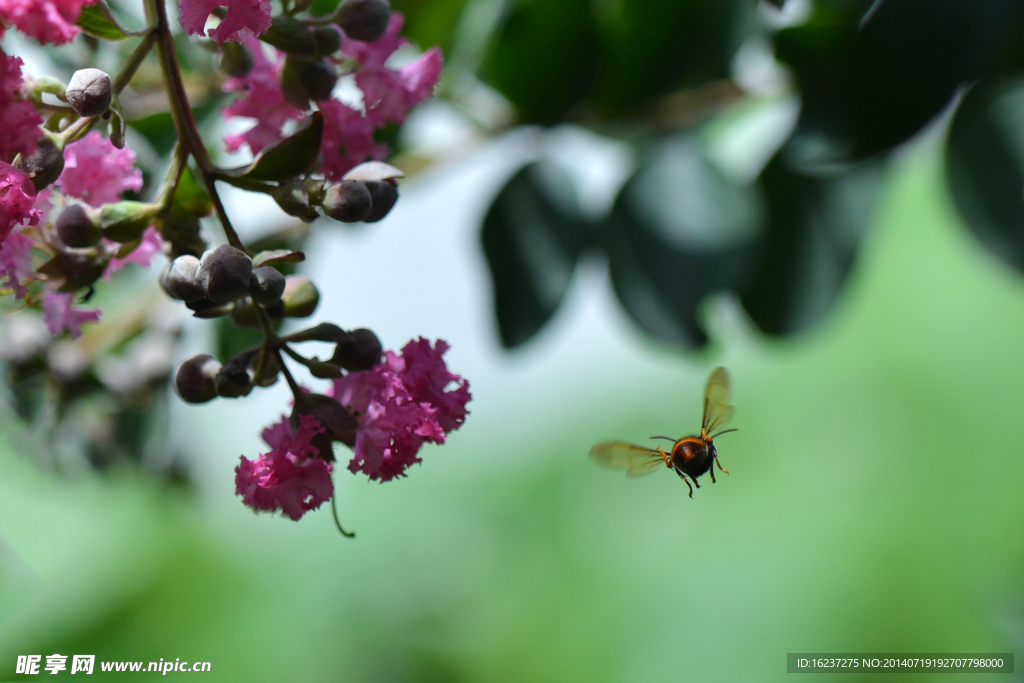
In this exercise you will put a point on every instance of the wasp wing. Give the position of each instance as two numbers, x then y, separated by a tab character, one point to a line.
717	411
636	460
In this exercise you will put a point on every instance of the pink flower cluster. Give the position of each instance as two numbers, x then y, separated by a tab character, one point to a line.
288	478
97	172
348	140
60	316
17	200
16	262
244	18
402	403
48	21
19	133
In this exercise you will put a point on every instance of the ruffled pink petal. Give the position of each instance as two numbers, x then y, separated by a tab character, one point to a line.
48	21
17	200
98	172
20	132
373	55
244	18
16	263
59	315
348	139
151	245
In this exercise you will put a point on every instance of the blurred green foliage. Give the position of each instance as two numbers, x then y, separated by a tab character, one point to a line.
874	505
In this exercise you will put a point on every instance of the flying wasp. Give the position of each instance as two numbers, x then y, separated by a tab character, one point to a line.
691	456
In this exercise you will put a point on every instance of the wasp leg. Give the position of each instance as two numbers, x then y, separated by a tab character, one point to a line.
711	471
683	477
664	456
719	467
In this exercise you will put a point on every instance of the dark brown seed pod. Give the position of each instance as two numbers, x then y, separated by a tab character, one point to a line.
77	227
384	194
266	285
224	273
364	20
195	380
89	92
348	201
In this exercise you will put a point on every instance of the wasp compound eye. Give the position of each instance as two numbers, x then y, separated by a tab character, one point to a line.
89	92
224	273
348	201
181	280
364	20
266	285
195	380
77	227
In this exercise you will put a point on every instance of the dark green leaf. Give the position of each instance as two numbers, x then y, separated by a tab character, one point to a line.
97	21
290	157
679	231
431	22
985	166
532	236
277	256
544	57
814	229
872	74
191	198
654	47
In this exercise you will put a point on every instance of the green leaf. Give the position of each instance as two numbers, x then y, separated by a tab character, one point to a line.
431	23
815	225
532	236
654	47
679	230
545	57
290	157
190	197
985	166
97	21
277	256
872	74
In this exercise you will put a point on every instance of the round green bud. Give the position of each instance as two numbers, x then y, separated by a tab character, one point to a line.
224	273
195	380
305	79
89	92
300	297
348	201
266	285
235	59
45	165
77	228
181	279
384	194
364	20
328	40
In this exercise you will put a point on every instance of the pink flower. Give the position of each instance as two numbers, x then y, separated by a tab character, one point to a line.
348	139
15	262
17	199
288	478
261	99
98	172
400	404
48	21
19	133
60	316
373	55
244	19
151	245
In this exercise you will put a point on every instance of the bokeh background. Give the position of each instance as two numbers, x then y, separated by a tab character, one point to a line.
874	502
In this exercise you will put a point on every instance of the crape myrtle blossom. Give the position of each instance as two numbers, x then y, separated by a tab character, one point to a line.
401	403
151	245
348	139
20	130
389	94
288	479
48	21
16	262
97	172
244	18
60	316
261	99
17	200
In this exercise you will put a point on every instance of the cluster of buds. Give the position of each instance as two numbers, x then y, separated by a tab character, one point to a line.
64	226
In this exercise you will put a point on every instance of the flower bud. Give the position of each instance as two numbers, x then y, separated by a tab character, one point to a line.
328	40
293	198
300	297
348	201
303	80
181	279
77	228
89	92
206	309
235	59
266	285
195	380
78	268
126	221
224	273
338	422
373	170
290	35
364	20
244	313
384	194
360	350
45	165
235	378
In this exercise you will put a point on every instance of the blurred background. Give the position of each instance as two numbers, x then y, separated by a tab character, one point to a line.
607	200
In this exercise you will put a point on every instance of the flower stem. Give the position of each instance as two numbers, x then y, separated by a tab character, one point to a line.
173	176
181	112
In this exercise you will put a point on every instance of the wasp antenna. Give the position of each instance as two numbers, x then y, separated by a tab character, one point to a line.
334	511
724	431
667	438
